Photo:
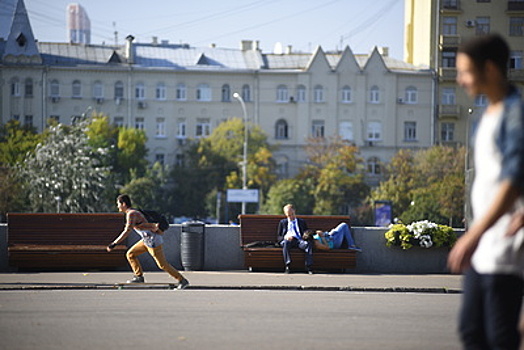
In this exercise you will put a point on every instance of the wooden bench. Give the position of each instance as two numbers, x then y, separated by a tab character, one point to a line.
263	228
64	241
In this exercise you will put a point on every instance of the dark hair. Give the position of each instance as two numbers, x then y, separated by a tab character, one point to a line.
124	198
308	235
485	48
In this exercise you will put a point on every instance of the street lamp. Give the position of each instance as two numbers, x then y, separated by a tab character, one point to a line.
244	160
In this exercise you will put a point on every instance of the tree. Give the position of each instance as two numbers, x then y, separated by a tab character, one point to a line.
298	192
132	152
65	173
337	170
16	142
428	184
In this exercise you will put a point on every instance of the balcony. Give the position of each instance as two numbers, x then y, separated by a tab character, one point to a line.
516	75
449	111
449	41
447	73
450	5
516	6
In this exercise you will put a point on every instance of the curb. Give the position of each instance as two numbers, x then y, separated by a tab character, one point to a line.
32	287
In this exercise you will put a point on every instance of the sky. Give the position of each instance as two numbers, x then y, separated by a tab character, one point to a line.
303	24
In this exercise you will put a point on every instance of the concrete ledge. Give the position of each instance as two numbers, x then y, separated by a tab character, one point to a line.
222	252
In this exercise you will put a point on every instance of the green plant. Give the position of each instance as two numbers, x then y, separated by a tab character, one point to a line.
424	234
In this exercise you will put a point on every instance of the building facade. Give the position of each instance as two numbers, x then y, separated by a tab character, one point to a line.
180	92
434	30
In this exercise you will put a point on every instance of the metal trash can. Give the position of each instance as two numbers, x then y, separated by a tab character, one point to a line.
192	245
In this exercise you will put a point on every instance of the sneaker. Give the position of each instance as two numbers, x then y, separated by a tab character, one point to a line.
136	279
355	248
182	284
309	270
287	270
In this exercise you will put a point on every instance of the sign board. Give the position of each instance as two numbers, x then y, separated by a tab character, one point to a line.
383	213
247	196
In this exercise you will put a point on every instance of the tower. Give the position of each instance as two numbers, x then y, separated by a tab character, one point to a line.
78	25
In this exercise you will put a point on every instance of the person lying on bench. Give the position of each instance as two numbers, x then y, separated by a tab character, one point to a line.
291	230
332	239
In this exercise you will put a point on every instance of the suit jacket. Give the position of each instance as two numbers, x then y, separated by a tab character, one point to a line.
282	227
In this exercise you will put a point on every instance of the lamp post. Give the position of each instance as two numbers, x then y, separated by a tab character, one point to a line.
244	160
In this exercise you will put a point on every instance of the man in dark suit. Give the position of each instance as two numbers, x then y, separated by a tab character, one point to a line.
290	231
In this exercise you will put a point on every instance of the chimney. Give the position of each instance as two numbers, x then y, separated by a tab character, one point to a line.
384	51
129	53
155	41
289	49
249	45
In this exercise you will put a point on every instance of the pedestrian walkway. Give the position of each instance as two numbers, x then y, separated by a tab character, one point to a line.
442	283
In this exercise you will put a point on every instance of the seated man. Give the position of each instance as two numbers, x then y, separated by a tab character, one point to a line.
291	230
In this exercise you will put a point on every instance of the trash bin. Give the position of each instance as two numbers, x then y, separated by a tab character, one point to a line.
192	245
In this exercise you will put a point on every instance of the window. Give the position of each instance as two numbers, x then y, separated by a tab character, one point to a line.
373	164
118	122
345	130
411	95
15	87
226	93
160	92
481	100
246	93
203	128
449	25
139	123
203	92
516	26
28	120
449	58
374	94
54	88
346	94
281	130
515	60
448	96
317	129
140	91
179	160
410	131
16	117
301	93
447	131
374	131
282	94
318	94
160	158
53	120
28	87
119	90
482	25
181	92
77	89
98	90
160	127
181	129
450	4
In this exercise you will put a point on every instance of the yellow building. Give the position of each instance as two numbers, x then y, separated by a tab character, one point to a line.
433	31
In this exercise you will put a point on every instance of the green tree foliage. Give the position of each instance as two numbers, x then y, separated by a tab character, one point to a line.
16	142
132	152
337	170
66	171
427	185
295	191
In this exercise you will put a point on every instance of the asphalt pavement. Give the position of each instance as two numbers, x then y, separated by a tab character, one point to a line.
237	280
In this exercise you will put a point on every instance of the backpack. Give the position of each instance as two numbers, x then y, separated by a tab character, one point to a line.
155	217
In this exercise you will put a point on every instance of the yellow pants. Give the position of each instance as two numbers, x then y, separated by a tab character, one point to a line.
157	254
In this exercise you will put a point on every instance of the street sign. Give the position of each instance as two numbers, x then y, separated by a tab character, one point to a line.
247	196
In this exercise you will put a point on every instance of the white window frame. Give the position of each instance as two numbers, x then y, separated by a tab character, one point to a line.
374	94
301	94
118	121
410	131
318	129
203	93
119	90
373	166
181	92
282	94
448	96
203	128
181	129
318	94
140	123
374	131
15	87
447	132
161	92
54	88
246	93
226	93
161	127
411	95
345	130
281	130
345	96
98	89
515	60
29	88
76	89
449	25
140	91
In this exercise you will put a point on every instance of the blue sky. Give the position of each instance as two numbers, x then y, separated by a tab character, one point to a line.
303	24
